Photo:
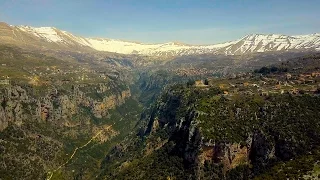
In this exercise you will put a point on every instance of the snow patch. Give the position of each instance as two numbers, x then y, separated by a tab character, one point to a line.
247	44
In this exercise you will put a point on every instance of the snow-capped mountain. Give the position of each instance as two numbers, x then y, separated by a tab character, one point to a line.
273	42
53	37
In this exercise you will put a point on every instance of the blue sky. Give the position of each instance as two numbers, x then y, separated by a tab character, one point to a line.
155	21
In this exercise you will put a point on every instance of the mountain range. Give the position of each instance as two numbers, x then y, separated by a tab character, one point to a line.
50	37
94	108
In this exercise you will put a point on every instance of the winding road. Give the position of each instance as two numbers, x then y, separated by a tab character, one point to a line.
50	174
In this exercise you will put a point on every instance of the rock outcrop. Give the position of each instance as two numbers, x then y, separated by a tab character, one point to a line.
18	104
100	108
254	151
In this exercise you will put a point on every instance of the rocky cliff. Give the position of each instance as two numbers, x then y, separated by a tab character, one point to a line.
17	104
41	127
251	132
213	136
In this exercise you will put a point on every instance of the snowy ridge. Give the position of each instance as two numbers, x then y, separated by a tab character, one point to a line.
47	33
248	44
273	42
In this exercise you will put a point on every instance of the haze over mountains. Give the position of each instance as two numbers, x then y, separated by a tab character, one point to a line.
45	37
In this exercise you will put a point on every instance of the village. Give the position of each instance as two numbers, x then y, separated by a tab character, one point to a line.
247	83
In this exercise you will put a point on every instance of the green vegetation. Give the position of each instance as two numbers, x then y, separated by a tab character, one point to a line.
84	120
304	166
272	69
282	131
160	165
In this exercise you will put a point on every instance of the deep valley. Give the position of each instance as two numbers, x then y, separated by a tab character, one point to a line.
81	108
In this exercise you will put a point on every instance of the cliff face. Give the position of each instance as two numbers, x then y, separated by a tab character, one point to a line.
100	108
11	109
41	127
17	105
235	137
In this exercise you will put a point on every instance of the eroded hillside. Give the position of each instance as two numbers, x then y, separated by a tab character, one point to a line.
263	126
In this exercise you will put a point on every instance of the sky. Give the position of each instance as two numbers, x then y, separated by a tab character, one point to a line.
159	21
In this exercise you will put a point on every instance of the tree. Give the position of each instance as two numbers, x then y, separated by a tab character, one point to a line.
206	82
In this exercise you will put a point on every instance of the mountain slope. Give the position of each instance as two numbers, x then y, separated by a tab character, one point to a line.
273	42
248	44
43	38
53	37
245	127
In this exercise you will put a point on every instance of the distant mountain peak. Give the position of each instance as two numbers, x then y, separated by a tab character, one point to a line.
251	43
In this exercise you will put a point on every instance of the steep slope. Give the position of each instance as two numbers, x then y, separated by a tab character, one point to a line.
51	34
240	128
58	118
43	38
273	42
51	37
